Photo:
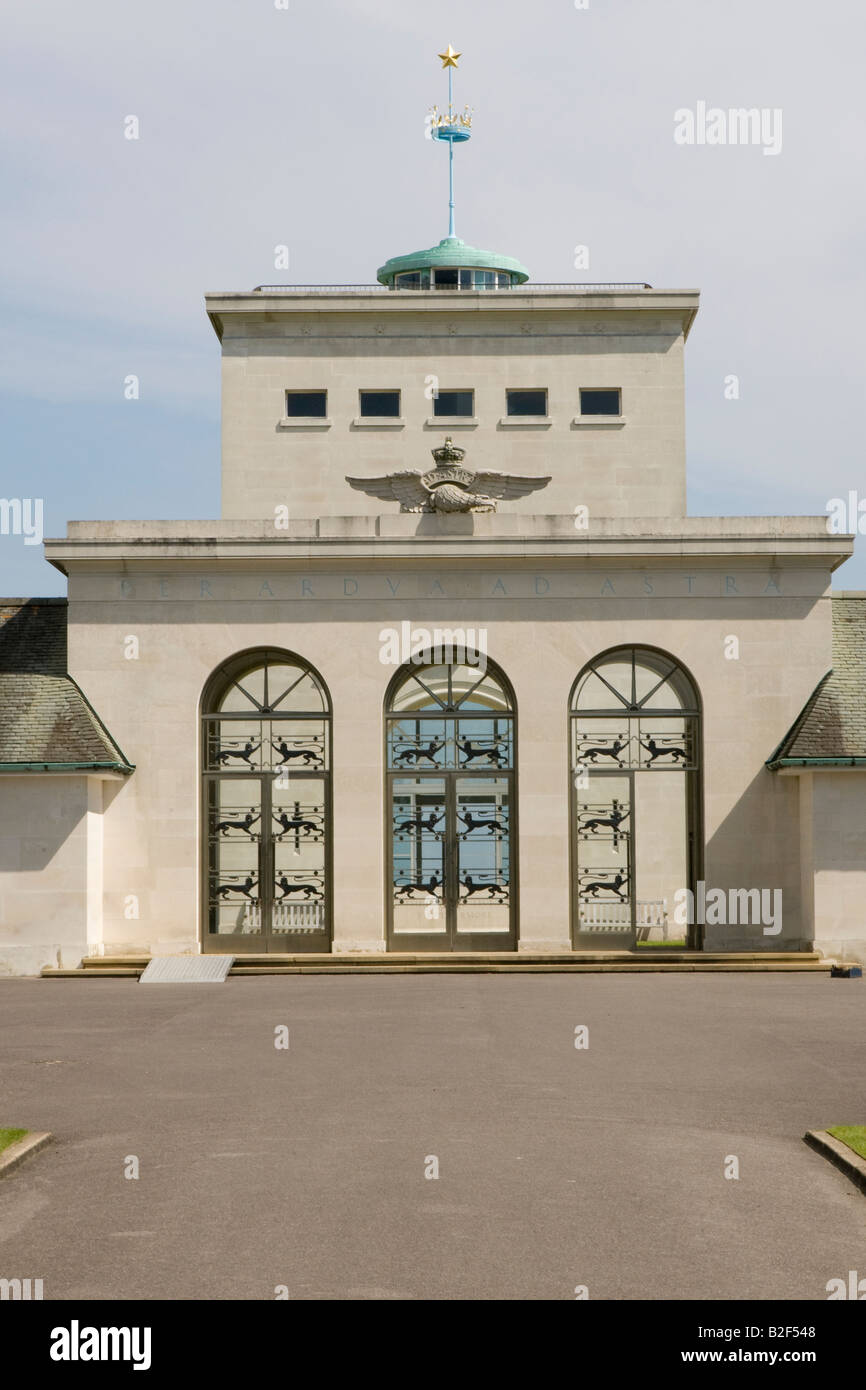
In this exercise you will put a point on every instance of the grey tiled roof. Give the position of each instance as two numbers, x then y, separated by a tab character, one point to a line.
831	727
45	720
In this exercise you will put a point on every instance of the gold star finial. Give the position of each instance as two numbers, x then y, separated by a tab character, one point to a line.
449	58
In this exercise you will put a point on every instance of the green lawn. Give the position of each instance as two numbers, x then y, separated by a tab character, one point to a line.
852	1135
11	1136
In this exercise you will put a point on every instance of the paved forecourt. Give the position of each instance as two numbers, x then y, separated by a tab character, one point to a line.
559	1166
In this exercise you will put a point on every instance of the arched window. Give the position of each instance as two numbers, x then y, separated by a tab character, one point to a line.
635	776
450	741
266	740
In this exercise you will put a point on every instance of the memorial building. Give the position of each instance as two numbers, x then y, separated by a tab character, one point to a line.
454	671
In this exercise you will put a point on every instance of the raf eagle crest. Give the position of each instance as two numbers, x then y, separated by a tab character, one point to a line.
447	487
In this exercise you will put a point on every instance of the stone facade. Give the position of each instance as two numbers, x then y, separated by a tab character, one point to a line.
302	564
628	466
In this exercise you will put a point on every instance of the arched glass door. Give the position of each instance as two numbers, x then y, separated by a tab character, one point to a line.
266	806
451	845
635	799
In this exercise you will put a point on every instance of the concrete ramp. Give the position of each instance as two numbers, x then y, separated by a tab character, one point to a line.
186	970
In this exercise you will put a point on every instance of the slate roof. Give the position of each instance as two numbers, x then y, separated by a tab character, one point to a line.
831	727
46	721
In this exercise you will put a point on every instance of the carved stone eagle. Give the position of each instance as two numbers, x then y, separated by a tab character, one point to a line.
447	487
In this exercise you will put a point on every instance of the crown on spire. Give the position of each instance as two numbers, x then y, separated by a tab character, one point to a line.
452	264
438	119
452	128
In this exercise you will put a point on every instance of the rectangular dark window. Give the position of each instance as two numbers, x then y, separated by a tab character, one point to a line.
381	404
454	403
526	402
600	403
307	404
446	279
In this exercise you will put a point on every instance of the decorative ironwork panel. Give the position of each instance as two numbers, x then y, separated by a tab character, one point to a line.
419	743
602	743
298	825
429	744
604	821
604	854
634	710
483	813
450	753
666	743
298	744
243	744
234	841
266	756
484	743
418	810
235	745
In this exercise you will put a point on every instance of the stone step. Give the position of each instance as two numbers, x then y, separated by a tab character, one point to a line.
372	961
799	962
49	972
640	952
523	968
101	963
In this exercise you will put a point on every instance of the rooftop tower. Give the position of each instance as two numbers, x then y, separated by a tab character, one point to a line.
452	265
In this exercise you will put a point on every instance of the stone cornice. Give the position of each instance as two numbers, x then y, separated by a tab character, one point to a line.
228	310
462	540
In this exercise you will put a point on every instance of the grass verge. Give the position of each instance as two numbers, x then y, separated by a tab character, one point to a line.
852	1135
11	1136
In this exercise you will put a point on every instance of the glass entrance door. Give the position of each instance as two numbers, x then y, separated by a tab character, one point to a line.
266	864
451	862
235	856
266	751
450	801
296	864
636	824
604	857
420	834
482	860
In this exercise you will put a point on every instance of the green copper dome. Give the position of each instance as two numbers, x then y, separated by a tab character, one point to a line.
452	255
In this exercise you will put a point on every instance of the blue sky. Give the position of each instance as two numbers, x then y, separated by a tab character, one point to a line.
304	126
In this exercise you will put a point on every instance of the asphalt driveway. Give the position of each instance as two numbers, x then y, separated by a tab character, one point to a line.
305	1167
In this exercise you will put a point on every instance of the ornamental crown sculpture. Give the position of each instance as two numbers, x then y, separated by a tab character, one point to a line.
449	452
448	119
447	487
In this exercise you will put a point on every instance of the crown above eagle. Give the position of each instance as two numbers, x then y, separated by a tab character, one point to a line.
448	487
449	452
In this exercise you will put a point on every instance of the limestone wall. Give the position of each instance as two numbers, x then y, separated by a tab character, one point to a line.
186	623
633	466
838	812
44	851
